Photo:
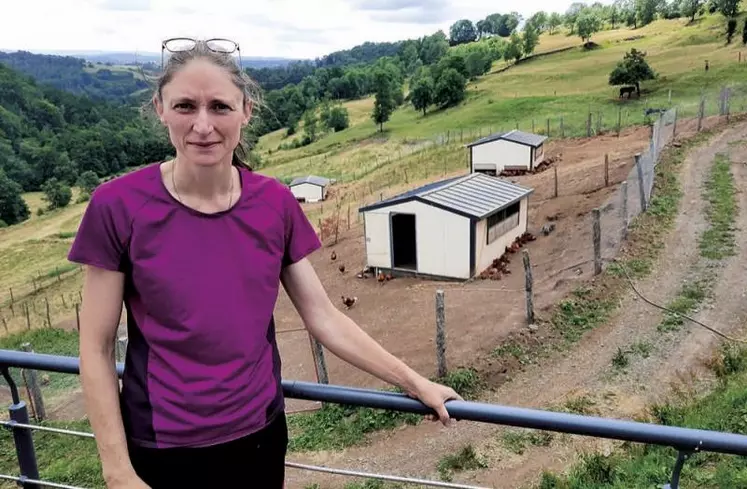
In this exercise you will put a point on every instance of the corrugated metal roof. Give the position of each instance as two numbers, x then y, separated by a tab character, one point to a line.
475	195
313	179
516	136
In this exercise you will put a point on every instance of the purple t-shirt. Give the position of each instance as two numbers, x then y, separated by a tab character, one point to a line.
202	365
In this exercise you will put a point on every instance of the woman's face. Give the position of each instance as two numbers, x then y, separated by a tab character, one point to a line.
204	112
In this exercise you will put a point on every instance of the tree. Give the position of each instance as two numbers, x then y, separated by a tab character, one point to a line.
514	48
56	193
632	70
463	31
423	93
731	29
690	8
646	11
554	21
529	39
744	32
339	119
310	126
13	208
87	182
450	88
587	24
385	83
728	8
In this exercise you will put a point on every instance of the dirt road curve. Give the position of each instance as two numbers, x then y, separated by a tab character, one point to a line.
587	369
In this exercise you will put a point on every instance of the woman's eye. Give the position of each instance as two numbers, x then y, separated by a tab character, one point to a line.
221	107
183	106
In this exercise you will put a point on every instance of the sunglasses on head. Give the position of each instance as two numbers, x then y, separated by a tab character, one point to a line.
218	45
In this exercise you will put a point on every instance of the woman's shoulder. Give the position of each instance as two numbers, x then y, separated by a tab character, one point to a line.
129	190
269	188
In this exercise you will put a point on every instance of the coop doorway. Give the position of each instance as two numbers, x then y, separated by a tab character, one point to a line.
404	243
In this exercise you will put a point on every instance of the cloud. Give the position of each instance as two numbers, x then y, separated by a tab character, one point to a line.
131	5
405	11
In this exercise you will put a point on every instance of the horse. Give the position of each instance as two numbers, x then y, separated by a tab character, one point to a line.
628	90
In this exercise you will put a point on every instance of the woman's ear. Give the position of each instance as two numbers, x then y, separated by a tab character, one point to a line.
159	108
248	107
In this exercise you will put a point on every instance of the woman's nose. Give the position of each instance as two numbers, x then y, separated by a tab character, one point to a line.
202	123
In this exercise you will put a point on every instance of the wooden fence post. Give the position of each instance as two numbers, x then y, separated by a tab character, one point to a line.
606	169
49	318
548	127
701	110
624	209
440	334
619	121
641	185
556	181
28	318
77	316
562	127
317	351
597	237
528	286
5	324
674	127
32	386
12	299
588	125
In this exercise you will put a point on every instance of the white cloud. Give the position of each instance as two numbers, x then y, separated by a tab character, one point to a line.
286	28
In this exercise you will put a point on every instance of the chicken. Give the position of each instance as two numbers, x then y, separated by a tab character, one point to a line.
341	268
348	301
381	277
333	257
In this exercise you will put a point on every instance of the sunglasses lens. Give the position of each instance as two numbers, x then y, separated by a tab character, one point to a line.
222	45
180	45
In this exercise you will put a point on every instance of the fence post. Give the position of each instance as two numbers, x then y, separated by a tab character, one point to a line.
32	384
624	209
619	121
22	437
597	237
588	125
28	318
606	169
674	127
556	181
77	316
49	318
701	110
548	127
641	186
528	286
440	334
562	127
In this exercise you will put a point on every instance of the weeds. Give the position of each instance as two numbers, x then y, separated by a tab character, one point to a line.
718	242
517	441
465	459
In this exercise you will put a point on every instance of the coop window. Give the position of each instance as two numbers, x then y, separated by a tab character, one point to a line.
502	222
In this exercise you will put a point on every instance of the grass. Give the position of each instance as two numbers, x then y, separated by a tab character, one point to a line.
718	242
53	341
465	459
516	441
336	426
638	466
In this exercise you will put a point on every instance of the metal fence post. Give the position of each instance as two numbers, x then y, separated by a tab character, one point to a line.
22	436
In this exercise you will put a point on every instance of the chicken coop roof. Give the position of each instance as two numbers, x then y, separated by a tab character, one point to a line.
312	179
516	136
476	195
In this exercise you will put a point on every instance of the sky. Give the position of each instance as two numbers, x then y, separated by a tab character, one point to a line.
265	28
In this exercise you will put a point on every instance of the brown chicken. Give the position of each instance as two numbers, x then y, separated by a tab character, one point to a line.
333	256
341	268
348	301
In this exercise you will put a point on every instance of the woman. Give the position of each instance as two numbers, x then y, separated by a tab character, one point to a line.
197	248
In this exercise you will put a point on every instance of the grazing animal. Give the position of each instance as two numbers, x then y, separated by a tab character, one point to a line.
349	301
626	90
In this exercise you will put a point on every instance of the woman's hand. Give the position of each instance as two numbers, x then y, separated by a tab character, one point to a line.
435	396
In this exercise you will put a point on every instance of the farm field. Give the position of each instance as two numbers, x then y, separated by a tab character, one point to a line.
485	319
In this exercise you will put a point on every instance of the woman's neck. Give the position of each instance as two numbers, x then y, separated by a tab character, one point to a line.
202	181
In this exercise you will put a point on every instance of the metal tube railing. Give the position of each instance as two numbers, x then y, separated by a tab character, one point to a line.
685	440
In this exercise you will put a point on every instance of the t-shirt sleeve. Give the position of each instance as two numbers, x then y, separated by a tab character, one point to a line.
300	237
101	238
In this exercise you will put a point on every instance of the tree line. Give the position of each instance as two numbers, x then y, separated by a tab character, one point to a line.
50	135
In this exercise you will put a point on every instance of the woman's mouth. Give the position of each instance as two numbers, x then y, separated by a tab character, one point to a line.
206	145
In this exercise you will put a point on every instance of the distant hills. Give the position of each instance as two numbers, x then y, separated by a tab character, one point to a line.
131	58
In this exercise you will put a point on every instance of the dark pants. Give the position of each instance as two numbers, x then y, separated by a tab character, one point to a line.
257	460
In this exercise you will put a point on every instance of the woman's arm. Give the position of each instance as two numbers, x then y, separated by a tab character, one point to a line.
99	319
336	331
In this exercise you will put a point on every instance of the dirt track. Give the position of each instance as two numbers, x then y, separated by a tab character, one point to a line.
585	371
